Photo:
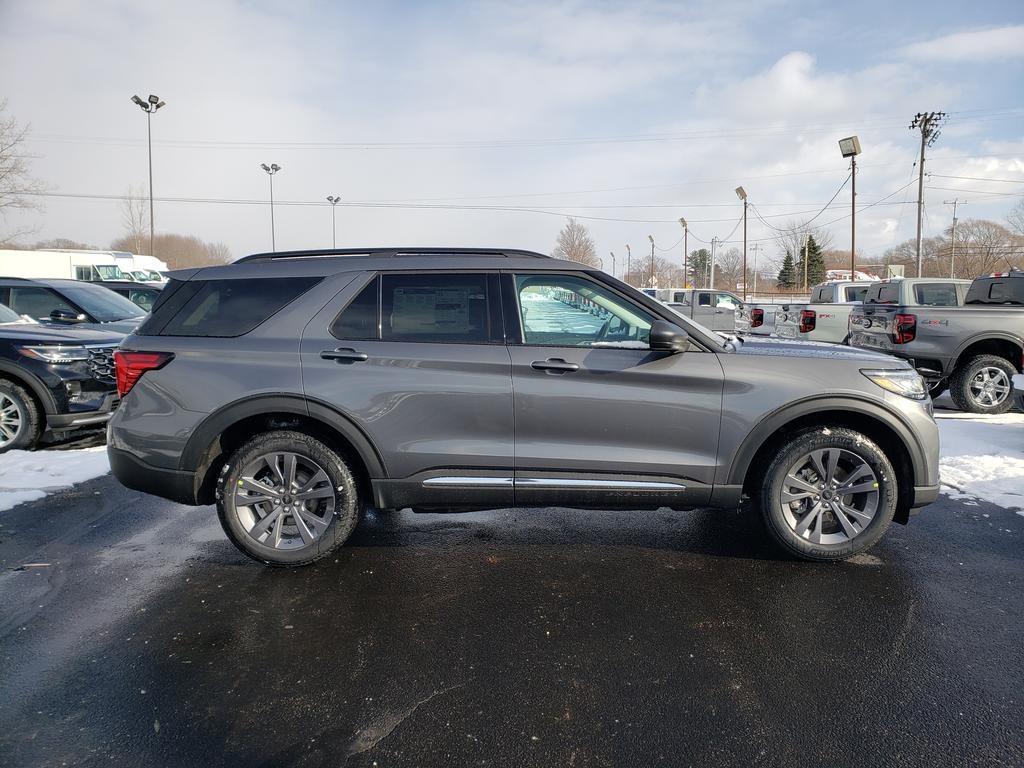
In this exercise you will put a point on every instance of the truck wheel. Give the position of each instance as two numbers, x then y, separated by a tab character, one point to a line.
829	493
983	385
21	423
286	499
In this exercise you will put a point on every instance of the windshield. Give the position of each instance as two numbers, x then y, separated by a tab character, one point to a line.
144	275
102	303
111	272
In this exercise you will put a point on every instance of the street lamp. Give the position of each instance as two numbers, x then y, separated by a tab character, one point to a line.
149	107
741	193
686	233
850	147
629	263
333	200
612	254
271	170
654	279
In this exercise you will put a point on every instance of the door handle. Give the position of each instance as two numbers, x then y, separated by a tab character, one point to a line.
554	365
344	355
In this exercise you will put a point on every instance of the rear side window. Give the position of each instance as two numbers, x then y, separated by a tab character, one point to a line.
996	291
935	294
887	293
435	307
222	308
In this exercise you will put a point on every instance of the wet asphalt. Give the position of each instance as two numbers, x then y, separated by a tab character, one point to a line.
133	634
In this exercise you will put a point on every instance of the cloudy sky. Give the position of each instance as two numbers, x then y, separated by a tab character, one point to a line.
485	123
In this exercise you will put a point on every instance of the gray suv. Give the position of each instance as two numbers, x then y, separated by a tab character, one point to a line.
294	389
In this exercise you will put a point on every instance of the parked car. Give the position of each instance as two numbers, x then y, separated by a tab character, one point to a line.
71	302
52	380
712	309
61	264
141	294
974	349
826	316
293	389
765	319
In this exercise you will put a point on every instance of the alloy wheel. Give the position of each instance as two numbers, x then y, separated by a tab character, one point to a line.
284	500
829	496
990	387
11	419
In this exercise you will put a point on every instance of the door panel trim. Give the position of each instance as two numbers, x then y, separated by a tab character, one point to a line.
558	482
477	482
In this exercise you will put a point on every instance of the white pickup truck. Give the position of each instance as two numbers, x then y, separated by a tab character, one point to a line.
826	316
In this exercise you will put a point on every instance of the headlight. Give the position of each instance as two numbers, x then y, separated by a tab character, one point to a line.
56	354
902	381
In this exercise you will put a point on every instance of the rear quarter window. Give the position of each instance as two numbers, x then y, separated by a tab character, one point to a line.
221	308
996	291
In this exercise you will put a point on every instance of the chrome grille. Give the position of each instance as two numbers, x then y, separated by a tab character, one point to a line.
101	363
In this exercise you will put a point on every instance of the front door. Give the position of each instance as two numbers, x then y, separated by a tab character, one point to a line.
419	363
599	417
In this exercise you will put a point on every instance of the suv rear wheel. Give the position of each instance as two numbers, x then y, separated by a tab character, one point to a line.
21	423
983	385
828	494
287	499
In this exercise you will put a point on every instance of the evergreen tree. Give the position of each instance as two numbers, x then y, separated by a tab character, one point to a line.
698	265
787	275
815	262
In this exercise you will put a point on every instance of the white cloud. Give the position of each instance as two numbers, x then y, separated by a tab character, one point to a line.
976	46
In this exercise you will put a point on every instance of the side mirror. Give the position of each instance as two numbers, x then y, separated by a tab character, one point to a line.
666	337
66	316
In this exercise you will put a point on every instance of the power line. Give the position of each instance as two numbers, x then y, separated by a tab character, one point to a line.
976	178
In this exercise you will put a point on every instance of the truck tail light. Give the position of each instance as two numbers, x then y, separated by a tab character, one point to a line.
129	367
808	319
904	328
756	318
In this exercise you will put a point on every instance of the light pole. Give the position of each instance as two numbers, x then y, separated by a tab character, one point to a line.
271	170
629	263
741	193
711	267
149	107
686	232
850	147
612	254
654	279
807	240
333	200
952	240
755	248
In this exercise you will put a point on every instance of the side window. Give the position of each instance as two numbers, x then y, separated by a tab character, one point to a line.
680	297
36	302
570	311
84	273
704	300
726	301
435	308
935	294
143	298
359	320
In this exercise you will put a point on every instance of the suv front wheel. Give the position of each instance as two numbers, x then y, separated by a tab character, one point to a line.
286	499
828	494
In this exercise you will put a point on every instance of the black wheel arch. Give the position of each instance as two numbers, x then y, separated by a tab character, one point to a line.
39	390
999	343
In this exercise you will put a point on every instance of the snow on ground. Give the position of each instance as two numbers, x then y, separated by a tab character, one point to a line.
982	457
31	475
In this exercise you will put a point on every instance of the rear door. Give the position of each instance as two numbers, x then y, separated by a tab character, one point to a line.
418	361
725	312
599	415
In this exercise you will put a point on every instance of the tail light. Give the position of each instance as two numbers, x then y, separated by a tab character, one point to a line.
129	367
808	319
904	328
756	318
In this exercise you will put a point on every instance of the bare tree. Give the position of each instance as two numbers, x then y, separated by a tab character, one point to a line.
135	217
1016	218
665	273
576	244
181	251
17	186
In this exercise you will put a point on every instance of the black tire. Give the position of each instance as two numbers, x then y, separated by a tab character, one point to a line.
30	418
347	505
773	510
960	384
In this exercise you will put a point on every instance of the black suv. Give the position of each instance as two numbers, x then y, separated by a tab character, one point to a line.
52	380
71	302
141	294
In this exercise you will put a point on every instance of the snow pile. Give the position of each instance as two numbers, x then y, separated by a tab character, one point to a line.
983	457
30	475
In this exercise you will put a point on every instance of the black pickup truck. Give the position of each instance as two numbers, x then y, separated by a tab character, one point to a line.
975	349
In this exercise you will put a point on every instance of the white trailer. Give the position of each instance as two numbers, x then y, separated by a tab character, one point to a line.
58	263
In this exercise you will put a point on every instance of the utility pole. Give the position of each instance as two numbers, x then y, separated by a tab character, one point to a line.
742	195
333	200
149	107
952	240
613	262
271	170
654	277
929	123
629	263
755	248
807	240
686	232
711	270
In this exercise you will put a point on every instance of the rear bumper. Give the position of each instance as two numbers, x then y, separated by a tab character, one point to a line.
923	496
132	472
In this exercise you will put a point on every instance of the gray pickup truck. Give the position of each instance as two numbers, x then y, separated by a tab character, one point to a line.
711	308
766	318
975	349
826	316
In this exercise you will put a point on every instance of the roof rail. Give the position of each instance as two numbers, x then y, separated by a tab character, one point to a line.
385	253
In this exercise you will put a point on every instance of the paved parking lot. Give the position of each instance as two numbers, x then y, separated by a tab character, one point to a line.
133	633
